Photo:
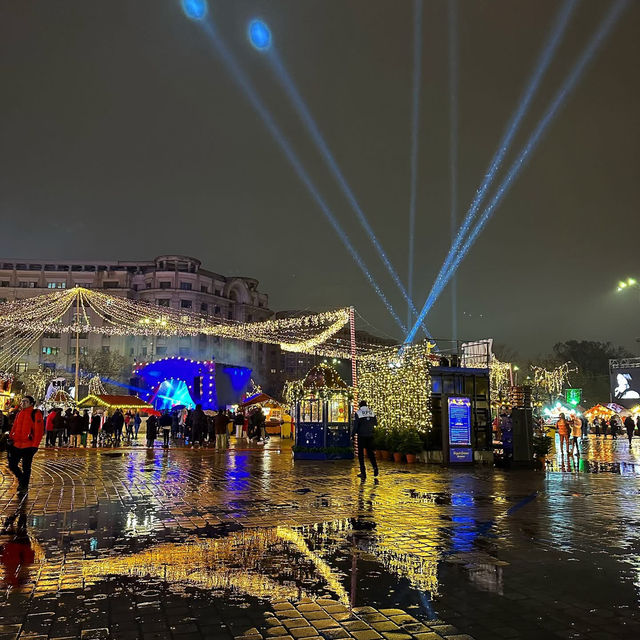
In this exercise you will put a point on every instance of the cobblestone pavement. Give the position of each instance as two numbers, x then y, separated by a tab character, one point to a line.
188	543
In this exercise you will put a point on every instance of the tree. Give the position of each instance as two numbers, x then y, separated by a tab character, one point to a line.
592	361
107	364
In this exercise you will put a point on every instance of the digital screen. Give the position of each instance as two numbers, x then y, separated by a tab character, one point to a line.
625	387
461	454
459	421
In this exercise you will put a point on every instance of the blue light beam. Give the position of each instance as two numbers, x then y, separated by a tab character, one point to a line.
305	115
259	35
596	41
415	129
544	59
195	9
244	83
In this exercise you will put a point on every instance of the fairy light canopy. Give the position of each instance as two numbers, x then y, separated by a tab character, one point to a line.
89	311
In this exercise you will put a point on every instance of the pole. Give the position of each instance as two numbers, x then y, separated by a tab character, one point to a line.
77	381
354	372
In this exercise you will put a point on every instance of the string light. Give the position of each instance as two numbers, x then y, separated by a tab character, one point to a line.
112	315
398	387
552	381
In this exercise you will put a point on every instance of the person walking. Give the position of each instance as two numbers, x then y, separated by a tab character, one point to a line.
94	429
24	439
75	428
50	433
152	430
596	426
563	431
364	422
165	424
198	426
614	427
137	421
128	425
630	426
576	433
238	421
58	427
84	433
220	426
118	422
603	426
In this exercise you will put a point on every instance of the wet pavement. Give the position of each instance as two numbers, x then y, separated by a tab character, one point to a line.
190	543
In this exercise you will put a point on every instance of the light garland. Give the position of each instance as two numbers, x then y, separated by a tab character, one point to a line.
552	381
96	388
114	315
500	378
398	386
96	401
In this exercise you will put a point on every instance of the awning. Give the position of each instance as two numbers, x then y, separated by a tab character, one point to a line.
115	402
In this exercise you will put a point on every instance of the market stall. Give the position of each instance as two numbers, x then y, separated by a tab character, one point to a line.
278	422
110	403
322	410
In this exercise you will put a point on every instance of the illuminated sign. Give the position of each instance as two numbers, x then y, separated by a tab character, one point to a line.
461	454
459	421
573	396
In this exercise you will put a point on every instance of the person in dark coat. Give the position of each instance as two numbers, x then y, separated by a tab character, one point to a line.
614	427
198	425
118	423
94	428
165	424
152	430
75	428
364	422
630	426
220	425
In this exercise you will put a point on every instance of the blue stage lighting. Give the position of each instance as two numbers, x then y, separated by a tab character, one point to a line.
244	83
453	148
415	125
259	35
542	64
597	39
195	9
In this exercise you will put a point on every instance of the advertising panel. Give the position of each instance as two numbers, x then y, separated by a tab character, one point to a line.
459	421
625	386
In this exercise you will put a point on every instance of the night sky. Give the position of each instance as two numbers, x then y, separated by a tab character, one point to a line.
123	136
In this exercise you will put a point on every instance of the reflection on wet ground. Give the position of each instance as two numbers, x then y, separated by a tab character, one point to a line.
194	543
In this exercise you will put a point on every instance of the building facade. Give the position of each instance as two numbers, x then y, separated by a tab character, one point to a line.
173	281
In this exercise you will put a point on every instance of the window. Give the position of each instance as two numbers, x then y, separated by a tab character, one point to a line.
216	309
83	335
4	283
21	367
3	300
273	371
186	286
110	284
51	334
27	285
56	285
165	285
230	314
163	302
161	351
204	289
51	351
84	351
144	351
185	304
135	288
204	306
184	351
218	292
249	317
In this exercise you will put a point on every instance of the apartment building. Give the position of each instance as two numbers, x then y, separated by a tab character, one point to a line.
175	281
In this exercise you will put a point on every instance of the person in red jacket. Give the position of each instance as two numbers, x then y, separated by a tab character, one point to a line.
24	440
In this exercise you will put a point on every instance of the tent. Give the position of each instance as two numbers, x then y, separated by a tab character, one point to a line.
108	401
599	411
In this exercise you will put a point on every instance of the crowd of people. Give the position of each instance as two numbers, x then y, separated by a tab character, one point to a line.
573	427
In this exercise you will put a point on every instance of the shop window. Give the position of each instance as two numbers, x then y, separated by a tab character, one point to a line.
338	410
311	411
